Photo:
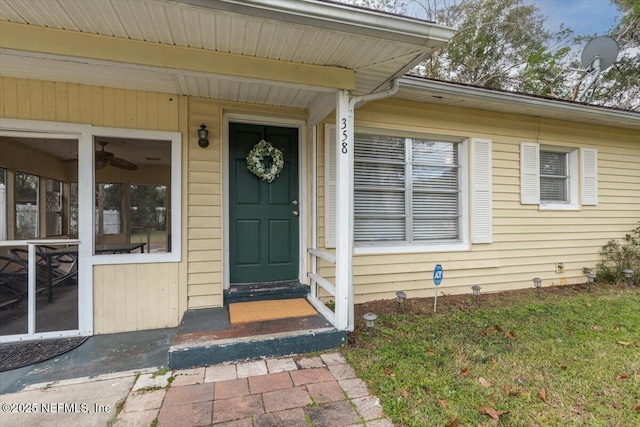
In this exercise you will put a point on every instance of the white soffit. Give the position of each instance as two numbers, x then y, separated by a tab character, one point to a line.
452	94
378	47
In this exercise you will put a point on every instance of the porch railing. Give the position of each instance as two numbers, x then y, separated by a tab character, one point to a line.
318	280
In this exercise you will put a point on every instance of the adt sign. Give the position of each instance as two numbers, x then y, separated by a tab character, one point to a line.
438	273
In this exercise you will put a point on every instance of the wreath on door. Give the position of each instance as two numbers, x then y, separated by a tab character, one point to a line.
256	163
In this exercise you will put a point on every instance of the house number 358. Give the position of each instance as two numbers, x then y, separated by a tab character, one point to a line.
344	136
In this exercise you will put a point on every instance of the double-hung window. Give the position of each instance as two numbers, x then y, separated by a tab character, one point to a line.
560	178
414	193
406	190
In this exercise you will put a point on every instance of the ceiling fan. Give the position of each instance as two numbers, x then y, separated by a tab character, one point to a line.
104	158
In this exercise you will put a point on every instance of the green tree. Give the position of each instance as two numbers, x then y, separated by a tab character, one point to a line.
619	85
503	44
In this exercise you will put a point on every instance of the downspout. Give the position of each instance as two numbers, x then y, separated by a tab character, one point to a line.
395	85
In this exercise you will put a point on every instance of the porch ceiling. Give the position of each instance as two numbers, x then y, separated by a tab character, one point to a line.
375	46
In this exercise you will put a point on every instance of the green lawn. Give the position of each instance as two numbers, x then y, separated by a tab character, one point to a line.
568	358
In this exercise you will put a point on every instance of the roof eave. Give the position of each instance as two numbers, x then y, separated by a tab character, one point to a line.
338	17
444	88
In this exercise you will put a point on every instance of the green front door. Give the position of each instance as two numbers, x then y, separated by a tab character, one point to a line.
263	217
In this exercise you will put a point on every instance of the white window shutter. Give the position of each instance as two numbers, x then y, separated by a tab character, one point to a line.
330	187
589	166
481	191
529	173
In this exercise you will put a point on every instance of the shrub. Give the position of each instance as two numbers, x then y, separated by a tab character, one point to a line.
618	256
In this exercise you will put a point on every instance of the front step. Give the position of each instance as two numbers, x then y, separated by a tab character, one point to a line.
206	337
265	291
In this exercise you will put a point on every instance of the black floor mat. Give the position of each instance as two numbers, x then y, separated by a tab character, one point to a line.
17	355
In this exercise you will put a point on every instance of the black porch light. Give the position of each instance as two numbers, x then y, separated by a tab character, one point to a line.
538	284
590	279
476	293
203	136
628	274
370	320
400	297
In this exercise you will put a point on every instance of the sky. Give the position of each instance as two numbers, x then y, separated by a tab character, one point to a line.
585	17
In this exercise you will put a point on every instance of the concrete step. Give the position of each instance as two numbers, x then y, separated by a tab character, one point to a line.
207	353
207	337
265	291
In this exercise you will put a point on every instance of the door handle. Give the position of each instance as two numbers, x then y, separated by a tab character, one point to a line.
295	213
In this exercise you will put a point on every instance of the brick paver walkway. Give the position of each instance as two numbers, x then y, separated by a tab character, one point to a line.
320	391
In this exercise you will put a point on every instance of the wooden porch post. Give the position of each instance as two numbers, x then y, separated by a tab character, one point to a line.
344	220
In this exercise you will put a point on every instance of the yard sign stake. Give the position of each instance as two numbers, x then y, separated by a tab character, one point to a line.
438	273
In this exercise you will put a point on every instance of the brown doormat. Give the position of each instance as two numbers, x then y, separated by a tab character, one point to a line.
17	355
258	311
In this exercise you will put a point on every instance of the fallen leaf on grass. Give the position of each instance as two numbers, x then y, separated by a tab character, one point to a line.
484	382
419	401
543	394
636	407
624	343
589	304
495	415
430	352
497	328
563	367
453	423
464	372
597	328
403	392
511	335
443	403
622	377
388	371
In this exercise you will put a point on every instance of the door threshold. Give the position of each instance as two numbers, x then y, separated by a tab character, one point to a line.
243	292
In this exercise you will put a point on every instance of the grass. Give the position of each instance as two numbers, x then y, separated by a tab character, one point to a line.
555	361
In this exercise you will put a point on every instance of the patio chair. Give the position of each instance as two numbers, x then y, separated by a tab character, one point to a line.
13	283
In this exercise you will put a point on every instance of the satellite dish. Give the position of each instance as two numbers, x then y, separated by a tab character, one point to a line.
603	47
598	55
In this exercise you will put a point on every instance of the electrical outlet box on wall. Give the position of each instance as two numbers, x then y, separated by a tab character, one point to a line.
559	267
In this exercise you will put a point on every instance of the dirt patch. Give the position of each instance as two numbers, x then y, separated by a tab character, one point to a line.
449	303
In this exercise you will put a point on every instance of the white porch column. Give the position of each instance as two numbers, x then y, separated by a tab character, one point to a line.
344	219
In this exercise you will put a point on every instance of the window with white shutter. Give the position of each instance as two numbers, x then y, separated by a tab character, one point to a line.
481	191
409	193
330	190
550	176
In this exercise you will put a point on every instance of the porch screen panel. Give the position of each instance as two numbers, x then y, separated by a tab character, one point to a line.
27	195
380	189
54	207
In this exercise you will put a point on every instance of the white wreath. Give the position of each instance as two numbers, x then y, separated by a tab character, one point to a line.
255	161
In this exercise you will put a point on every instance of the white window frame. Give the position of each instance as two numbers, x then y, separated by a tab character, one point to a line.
462	244
175	255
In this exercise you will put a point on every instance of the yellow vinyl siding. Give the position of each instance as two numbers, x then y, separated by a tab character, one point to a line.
204	212
129	297
135	297
527	242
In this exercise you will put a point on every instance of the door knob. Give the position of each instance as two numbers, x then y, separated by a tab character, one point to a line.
295	202
295	213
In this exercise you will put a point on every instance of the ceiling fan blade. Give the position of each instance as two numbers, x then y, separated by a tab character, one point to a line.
103	155
122	164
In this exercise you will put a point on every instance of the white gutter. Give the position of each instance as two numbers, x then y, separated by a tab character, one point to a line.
534	105
338	17
360	100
